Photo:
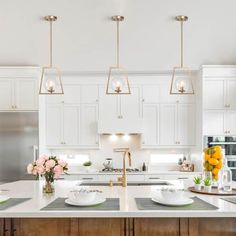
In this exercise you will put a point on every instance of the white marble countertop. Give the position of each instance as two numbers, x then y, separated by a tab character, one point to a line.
33	190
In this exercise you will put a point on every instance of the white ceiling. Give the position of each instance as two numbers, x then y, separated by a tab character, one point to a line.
85	35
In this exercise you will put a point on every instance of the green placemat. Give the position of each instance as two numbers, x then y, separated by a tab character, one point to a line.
198	205
12	202
230	199
111	204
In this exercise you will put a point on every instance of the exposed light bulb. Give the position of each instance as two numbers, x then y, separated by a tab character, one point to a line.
181	85
50	86
117	84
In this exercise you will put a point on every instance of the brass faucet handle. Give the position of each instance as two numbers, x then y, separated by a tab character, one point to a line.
110	183
120	179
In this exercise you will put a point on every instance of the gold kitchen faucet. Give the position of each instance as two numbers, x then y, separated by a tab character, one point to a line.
123	178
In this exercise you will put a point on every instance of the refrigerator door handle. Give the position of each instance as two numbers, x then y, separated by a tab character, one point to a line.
35	152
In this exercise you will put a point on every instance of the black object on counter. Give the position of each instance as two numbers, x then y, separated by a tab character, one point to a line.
144	167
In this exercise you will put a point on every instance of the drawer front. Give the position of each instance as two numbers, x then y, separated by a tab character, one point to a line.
154	177
107	178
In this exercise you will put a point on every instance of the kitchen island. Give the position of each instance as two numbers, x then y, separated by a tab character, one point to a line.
27	218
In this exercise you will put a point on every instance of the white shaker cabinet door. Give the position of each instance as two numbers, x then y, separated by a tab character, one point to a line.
150	125
214	94
230	123
89	93
89	125
168	116
26	94
6	94
70	125
54	125
131	104
231	94
213	123
186	124
151	93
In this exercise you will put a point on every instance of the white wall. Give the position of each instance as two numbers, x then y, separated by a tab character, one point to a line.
85	36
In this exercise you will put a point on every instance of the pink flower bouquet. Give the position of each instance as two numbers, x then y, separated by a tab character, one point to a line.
48	166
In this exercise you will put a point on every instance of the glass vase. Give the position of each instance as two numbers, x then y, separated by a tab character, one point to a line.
48	187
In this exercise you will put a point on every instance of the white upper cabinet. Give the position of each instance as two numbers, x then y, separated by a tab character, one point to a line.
26	94
131	104
71	126
76	94
219	100
19	94
186	124
19	88
168	121
71	120
150	125
230	123
168	125
89	125
151	93
230	94
120	113
54	125
219	122
89	93
6	91
214	94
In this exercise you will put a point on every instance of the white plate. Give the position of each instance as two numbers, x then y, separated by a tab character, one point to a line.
97	201
3	199
181	202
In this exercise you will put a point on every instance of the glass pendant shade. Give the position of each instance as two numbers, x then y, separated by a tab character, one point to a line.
51	81
117	81
181	82
51	77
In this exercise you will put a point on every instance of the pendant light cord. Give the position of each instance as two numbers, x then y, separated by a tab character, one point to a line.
182	43
118	44
50	44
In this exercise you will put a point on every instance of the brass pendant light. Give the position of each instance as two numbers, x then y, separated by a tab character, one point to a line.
181	82
118	82
51	77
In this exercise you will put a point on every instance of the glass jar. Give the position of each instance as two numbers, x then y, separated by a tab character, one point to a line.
213	162
225	177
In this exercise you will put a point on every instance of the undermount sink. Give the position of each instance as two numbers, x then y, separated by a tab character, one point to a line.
164	183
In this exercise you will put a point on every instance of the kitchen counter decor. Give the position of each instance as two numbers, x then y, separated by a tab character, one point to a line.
214	191
213	161
50	167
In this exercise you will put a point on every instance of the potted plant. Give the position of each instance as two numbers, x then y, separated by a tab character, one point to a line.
207	184
87	165
50	167
197	183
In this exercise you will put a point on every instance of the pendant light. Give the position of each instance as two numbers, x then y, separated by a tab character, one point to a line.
181	82
118	82
51	77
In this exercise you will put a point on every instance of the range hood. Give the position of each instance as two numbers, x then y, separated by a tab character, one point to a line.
120	126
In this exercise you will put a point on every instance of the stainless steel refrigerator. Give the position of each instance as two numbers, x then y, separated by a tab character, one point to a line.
18	144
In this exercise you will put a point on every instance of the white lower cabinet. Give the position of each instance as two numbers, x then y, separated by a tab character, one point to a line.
71	126
168	125
114	178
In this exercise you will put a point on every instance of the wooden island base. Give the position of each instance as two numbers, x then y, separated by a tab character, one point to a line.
118	227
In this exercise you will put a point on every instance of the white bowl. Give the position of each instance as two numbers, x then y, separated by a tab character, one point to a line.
82	195
172	194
